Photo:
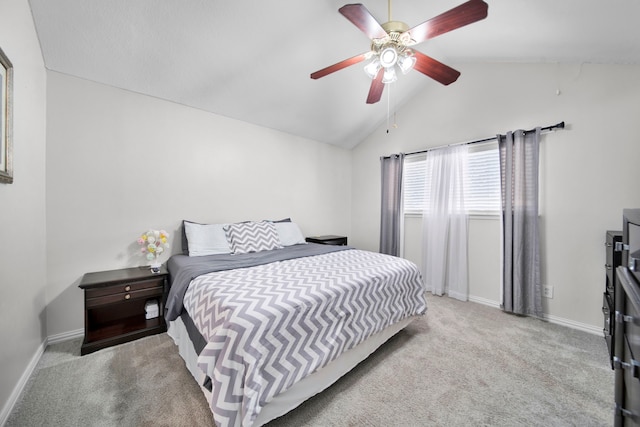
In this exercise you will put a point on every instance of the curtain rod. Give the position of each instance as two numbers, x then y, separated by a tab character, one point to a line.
544	129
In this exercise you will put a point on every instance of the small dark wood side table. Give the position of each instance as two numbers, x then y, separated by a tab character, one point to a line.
328	240
114	306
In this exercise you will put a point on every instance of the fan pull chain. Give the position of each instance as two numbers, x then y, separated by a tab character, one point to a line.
388	105
395	123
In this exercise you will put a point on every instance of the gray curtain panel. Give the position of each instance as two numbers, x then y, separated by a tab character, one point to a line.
519	157
391	213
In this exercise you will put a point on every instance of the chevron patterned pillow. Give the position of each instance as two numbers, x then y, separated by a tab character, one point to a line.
252	236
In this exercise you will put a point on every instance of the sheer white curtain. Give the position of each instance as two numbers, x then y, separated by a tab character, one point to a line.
445	222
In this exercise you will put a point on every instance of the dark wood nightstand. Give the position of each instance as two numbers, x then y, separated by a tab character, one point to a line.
328	240
114	306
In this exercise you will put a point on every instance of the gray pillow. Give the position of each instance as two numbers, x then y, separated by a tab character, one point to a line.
245	237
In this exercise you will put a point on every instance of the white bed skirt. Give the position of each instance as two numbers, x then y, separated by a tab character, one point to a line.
301	391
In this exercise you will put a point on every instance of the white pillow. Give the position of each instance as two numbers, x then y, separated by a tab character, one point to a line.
206	239
289	233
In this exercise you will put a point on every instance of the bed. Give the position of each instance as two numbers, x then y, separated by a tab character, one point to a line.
265	320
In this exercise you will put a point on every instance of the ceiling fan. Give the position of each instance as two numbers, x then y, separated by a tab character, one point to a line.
391	45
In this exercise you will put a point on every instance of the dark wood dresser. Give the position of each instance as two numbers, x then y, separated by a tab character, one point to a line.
115	306
626	347
613	251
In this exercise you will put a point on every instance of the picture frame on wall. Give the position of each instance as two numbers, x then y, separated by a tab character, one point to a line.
6	119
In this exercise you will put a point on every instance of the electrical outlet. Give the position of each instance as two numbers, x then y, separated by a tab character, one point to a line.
547	291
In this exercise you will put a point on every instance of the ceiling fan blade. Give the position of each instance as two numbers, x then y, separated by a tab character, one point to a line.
466	13
435	69
362	18
375	91
339	66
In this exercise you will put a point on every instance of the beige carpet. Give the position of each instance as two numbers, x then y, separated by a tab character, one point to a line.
463	364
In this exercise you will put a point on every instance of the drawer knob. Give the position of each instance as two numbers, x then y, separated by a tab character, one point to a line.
127	296
127	288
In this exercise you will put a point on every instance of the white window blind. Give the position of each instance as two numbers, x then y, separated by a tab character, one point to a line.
483	191
414	184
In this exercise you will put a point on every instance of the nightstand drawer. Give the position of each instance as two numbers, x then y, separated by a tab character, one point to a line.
124	296
125	287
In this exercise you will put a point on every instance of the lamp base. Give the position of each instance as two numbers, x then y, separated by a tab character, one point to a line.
155	267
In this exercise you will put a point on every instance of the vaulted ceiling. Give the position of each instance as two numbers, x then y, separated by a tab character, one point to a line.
251	60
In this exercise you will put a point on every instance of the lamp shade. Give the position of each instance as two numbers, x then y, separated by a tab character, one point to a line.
372	68
390	75
388	57
406	63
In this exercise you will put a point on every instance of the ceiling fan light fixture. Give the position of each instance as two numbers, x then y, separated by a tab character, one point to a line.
372	68
406	62
390	75
388	57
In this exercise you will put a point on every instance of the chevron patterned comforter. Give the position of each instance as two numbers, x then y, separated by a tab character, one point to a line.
268	326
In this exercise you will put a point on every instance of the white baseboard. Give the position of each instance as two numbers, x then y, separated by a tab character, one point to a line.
484	301
65	336
17	390
597	330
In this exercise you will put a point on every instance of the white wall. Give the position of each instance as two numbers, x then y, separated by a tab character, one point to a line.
589	171
22	205
119	163
484	245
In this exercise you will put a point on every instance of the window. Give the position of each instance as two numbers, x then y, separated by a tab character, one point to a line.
483	191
